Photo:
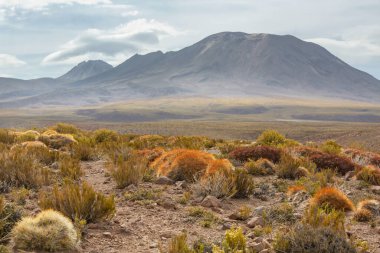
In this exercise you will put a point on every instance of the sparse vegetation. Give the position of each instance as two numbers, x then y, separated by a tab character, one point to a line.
79	202
49	231
244	154
330	197
370	175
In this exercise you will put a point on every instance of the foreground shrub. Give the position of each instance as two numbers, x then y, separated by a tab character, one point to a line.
328	161
331	147
243	154
178	244
48	231
70	168
220	185
261	167
218	165
332	198
85	150
19	170
9	216
105	135
305	238
56	140
6	137
290	167
183	164
371	205
128	170
225	184
363	215
370	175
40	153
325	217
234	241
79	202
64	128
244	183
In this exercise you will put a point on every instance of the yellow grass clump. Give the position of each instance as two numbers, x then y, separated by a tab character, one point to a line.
49	231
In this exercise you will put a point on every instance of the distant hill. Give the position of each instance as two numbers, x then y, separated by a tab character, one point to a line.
85	70
229	64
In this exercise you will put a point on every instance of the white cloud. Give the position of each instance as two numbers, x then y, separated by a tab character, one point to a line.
113	45
41	4
7	60
358	45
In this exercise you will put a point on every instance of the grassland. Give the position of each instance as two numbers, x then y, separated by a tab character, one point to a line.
349	123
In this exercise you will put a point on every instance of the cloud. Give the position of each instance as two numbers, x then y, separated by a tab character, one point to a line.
359	45
7	60
113	45
41	4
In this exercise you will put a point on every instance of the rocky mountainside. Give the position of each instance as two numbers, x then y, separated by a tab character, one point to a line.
221	65
85	70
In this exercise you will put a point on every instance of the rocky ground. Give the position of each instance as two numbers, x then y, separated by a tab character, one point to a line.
147	226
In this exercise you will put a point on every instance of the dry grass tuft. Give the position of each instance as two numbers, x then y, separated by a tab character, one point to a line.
48	231
79	202
369	174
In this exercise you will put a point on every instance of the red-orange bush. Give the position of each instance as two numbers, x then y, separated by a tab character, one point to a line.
332	198
182	164
244	154
328	161
218	165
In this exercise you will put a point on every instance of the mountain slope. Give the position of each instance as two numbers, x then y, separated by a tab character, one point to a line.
221	65
85	70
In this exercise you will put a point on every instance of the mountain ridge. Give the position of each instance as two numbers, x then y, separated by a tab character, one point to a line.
220	65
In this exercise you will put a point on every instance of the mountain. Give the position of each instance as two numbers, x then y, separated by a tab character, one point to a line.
85	70
229	64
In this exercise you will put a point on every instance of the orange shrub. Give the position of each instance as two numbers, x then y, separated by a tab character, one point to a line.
182	164
328	161
218	165
332	198
294	189
151	154
371	205
244	154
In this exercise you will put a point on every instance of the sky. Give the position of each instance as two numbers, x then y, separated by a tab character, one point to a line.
46	38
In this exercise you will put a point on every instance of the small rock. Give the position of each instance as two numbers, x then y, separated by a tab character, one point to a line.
153	245
164	181
257	247
211	201
375	189
181	184
259	210
167	234
107	234
55	166
255	221
349	175
131	187
168	204
226	226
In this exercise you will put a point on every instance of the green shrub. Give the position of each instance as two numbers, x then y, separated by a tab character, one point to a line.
9	216
178	244
105	135
261	167
234	241
282	213
18	170
220	185
305	238
243	183
271	138
48	231
64	128
331	147
70	168
290	168
6	137
206	218
323	217
128	171
79	202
